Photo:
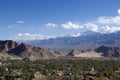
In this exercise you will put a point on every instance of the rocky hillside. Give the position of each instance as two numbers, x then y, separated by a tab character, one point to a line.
26	51
7	45
109	51
102	51
11	48
74	53
85	54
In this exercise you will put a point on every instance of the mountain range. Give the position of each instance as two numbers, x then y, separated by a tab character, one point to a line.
100	52
12	48
82	41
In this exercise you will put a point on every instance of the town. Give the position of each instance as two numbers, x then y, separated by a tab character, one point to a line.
60	69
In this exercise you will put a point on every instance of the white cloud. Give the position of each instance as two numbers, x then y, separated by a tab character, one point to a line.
112	23
70	25
16	24
51	25
108	29
109	24
91	27
87	26
13	25
28	36
20	22
109	20
119	12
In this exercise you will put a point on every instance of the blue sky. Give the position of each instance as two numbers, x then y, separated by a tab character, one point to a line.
39	19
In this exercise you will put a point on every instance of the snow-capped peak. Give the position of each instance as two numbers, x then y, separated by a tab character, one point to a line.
75	34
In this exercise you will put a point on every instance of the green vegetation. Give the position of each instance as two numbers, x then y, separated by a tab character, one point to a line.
60	69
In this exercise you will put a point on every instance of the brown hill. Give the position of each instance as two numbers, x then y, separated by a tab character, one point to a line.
84	54
73	53
102	51
109	51
25	51
7	45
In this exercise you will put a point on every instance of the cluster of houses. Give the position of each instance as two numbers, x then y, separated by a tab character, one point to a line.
90	72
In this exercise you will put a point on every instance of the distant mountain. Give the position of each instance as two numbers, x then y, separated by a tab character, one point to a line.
73	53
75	34
85	41
90	33
102	51
7	45
109	51
12	48
26	51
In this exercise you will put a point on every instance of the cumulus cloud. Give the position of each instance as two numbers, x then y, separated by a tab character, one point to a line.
109	24
28	36
109	20
70	25
108	29
119	12
91	27
51	25
88	26
102	25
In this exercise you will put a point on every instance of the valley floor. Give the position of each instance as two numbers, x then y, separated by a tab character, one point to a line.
60	69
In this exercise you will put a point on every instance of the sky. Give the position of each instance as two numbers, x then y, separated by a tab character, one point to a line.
43	19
